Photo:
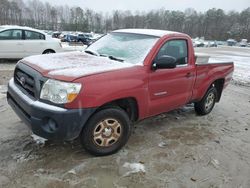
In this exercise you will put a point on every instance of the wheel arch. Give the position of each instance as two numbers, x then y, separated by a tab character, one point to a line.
49	50
219	85
128	104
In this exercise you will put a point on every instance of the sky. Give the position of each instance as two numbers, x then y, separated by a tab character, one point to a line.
145	5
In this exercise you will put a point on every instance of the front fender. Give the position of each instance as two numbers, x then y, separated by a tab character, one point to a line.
103	88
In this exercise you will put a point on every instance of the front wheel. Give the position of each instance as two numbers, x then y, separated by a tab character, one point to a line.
207	103
106	132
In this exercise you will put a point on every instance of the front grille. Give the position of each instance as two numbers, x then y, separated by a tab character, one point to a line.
26	81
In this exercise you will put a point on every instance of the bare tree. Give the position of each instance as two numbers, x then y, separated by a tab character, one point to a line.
214	24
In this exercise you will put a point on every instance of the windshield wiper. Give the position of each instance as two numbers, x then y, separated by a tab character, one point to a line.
103	55
115	58
112	57
91	52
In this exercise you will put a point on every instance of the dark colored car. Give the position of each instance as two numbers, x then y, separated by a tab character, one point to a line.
84	38
69	38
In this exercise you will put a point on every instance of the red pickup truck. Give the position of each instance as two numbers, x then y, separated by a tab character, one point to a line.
125	76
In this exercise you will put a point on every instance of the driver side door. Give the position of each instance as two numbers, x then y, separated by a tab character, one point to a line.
171	88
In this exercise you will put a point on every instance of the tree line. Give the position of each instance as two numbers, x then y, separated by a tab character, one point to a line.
214	24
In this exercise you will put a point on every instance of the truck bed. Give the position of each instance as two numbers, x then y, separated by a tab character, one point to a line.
204	59
207	72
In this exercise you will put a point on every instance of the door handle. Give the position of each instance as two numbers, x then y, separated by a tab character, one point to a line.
188	75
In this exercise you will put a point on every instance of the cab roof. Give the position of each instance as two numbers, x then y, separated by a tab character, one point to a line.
151	32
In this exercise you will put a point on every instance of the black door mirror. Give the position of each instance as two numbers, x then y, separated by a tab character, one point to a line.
164	62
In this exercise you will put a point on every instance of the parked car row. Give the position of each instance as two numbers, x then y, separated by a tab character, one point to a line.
76	38
242	43
85	38
200	42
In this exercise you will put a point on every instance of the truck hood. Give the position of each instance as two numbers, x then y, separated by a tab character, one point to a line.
72	65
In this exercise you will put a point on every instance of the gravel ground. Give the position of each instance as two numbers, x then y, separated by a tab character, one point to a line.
175	149
6	70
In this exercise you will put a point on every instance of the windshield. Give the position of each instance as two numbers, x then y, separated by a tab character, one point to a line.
131	48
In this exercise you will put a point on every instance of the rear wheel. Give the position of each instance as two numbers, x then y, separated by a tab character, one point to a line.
207	103
106	132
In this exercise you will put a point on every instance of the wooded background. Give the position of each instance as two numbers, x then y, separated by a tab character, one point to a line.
214	24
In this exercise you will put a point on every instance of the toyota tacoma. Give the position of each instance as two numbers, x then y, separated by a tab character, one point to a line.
125	76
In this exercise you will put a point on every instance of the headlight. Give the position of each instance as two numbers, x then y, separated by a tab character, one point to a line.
60	92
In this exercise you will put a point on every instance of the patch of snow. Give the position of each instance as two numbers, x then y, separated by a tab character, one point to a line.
215	163
133	168
24	157
90	69
162	144
39	140
234	53
72	172
77	169
41	170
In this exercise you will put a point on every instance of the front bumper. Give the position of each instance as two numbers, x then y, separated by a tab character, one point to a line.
48	121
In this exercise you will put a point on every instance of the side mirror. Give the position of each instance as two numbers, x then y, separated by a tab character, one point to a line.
164	62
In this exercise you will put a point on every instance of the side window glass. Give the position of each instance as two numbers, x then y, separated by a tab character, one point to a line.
177	49
30	35
11	35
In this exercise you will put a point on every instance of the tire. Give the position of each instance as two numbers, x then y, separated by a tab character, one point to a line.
206	105
106	132
48	52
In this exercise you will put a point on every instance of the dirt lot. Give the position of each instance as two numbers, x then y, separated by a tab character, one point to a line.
6	70
177	149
